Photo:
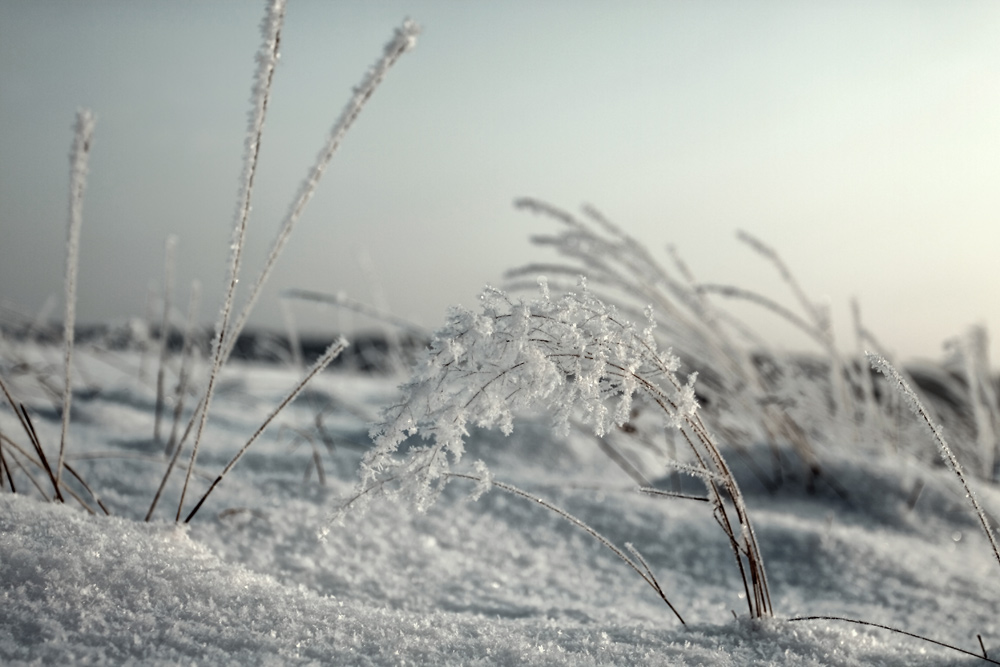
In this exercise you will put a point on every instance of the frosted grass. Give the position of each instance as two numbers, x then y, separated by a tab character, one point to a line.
79	159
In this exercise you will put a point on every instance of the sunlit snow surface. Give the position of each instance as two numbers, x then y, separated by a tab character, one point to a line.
496	581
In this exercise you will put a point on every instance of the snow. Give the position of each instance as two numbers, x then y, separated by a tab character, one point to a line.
499	580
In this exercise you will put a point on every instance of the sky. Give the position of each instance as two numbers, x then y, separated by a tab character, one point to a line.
861	140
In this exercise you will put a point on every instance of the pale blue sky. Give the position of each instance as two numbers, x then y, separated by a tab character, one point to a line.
860	139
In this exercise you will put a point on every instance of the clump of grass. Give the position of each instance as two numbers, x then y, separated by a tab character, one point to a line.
581	360
226	335
753	392
579	357
227	328
744	398
714	340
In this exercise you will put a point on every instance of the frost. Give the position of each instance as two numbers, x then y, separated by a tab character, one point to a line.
573	355
485	480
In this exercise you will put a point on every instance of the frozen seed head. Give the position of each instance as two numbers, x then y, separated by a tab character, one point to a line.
406	36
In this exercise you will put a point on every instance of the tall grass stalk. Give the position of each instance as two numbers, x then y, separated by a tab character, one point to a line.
267	58
404	39
168	292
292	331
79	160
880	364
331	353
974	351
187	352
872	416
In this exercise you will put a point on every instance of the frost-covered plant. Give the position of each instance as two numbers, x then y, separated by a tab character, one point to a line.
226	334
577	358
971	351
79	159
267	59
750	402
228	327
753	392
916	406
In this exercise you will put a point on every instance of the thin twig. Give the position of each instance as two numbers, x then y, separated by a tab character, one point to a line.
898	631
324	361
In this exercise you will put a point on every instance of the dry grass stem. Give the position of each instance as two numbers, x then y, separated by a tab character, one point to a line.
880	364
331	353
267	58
168	293
403	40
644	571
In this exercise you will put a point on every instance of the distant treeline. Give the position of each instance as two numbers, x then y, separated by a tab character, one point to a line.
371	352
377	352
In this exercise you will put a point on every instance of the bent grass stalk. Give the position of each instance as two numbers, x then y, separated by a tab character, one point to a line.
645	572
572	356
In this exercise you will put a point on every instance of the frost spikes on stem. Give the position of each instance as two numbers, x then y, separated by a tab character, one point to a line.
882	365
404	39
267	58
332	352
78	161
